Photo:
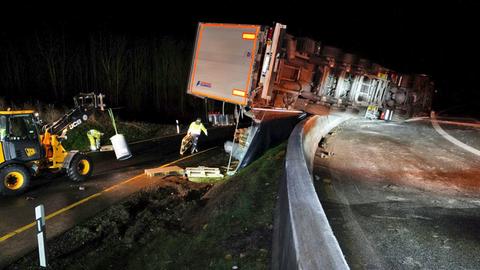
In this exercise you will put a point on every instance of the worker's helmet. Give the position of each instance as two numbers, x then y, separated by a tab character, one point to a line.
199	120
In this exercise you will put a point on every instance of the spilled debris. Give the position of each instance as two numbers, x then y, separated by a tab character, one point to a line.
203	172
165	171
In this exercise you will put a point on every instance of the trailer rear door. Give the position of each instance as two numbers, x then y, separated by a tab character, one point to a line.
223	62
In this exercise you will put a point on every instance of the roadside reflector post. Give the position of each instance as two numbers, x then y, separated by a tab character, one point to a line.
40	218
387	115
178	127
206	110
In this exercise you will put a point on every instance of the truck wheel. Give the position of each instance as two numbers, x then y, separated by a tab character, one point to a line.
81	168
14	180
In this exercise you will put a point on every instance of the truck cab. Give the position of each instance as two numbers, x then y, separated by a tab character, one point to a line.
19	137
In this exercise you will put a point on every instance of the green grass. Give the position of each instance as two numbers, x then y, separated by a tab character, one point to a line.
133	131
234	231
77	138
206	180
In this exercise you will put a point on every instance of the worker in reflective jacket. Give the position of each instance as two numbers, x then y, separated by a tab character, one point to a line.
94	138
194	130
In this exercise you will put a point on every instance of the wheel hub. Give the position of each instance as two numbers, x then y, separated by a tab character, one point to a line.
14	180
83	167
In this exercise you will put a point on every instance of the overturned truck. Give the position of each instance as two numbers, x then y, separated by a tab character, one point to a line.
263	67
271	74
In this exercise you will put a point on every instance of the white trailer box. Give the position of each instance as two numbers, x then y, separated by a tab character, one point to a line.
223	61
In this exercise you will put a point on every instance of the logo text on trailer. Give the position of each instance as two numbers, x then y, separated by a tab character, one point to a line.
204	84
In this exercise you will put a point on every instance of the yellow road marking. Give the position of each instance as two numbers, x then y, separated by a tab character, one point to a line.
66	208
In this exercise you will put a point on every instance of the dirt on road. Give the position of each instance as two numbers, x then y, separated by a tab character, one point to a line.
400	196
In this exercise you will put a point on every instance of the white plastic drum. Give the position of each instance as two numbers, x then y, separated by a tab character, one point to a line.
120	147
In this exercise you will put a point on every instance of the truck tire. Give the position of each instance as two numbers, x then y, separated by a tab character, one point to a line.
14	180
80	168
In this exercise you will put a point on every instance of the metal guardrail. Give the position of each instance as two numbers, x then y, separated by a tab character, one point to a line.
303	238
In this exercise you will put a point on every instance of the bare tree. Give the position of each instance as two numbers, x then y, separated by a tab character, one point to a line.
54	52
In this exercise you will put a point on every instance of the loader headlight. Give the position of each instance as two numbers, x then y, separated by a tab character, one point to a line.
35	168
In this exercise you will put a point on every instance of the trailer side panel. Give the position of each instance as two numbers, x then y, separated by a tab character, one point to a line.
223	62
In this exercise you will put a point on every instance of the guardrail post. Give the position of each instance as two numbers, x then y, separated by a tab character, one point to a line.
40	218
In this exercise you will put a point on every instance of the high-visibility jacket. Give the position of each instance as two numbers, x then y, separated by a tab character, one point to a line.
94	138
197	129
94	133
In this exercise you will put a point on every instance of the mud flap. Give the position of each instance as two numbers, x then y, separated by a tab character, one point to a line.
69	158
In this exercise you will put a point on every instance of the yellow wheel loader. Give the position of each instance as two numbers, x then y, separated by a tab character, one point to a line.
28	148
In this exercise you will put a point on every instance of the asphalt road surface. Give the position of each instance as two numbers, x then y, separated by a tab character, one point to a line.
401	196
67	203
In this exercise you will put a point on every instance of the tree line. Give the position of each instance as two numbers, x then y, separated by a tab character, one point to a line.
140	75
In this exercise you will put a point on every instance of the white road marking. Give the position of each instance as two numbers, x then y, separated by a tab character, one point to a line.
389	217
450	138
417	119
474	123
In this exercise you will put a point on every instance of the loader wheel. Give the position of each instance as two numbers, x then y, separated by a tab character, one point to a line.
15	180
81	168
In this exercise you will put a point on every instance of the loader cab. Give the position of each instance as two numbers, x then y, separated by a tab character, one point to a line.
19	137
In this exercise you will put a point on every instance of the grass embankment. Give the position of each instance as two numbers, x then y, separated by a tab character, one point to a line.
77	138
179	226
233	229
133	131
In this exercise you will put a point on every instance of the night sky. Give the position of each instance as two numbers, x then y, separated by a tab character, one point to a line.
439	39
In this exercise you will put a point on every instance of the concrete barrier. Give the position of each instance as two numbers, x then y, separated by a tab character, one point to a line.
303	238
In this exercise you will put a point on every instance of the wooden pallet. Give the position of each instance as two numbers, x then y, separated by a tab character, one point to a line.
241	136
233	165
187	141
165	171
203	172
